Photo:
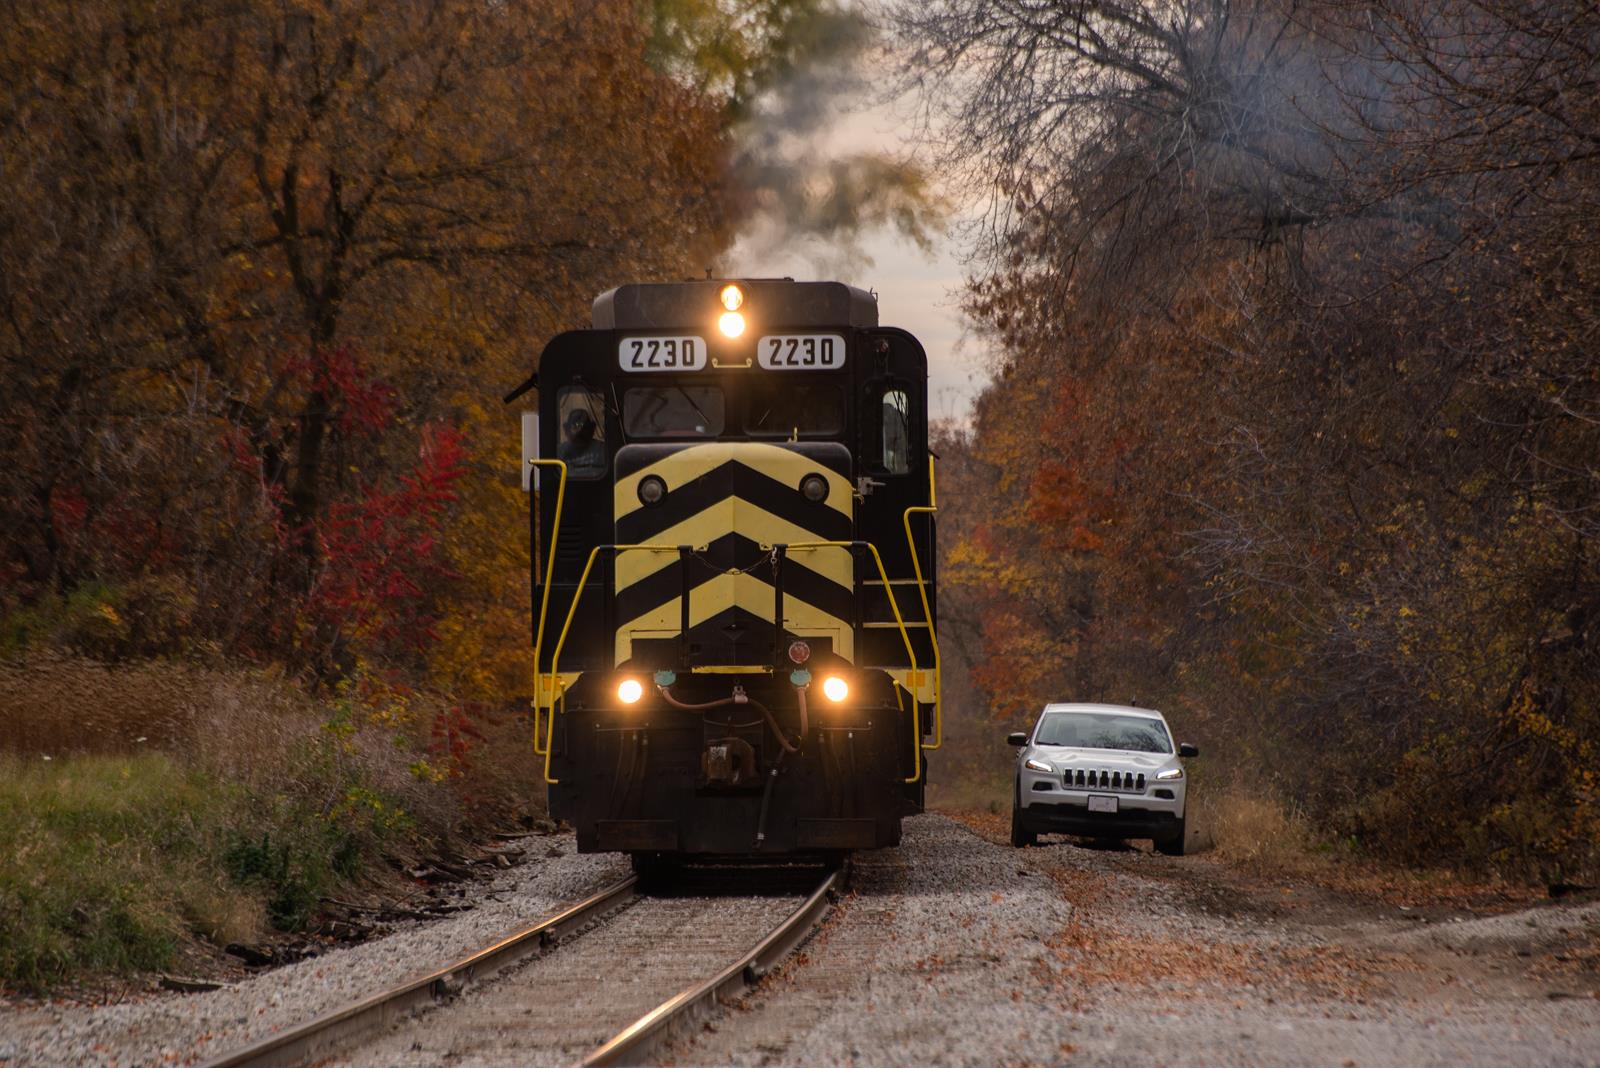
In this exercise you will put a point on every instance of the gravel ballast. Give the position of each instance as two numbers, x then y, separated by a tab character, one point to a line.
171	1028
951	949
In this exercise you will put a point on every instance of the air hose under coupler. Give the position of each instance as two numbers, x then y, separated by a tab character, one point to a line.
766	797
739	698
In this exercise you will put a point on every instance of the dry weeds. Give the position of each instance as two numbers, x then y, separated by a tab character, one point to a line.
55	705
228	800
1250	830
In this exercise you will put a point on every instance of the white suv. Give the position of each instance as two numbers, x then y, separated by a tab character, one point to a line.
1101	771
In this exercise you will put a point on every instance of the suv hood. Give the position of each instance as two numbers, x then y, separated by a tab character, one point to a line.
1111	759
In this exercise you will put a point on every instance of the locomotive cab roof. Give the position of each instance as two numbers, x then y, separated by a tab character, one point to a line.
662	305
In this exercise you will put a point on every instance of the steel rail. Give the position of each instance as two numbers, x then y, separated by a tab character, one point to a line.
630	1045
301	1043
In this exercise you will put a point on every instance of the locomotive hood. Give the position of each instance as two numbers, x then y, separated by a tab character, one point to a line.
714	517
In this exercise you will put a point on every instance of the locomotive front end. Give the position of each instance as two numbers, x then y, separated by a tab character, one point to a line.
734	560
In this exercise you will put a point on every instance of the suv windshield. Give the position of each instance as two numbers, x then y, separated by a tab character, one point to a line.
1104	730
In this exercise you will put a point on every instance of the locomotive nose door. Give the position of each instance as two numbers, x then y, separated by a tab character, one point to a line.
707	590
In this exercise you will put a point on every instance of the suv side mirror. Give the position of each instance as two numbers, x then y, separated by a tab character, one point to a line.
1187	750
1017	738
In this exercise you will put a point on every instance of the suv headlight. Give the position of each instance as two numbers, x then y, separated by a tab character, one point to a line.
1037	765
1169	774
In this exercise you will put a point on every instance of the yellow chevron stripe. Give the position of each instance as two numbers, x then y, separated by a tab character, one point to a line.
686	465
729	591
731	515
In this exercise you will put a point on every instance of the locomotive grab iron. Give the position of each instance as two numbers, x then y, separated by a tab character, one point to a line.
734	596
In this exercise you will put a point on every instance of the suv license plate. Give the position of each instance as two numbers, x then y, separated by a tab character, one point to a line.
1102	804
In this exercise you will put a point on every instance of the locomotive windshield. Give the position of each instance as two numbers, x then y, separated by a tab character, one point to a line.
583	433
672	412
896	458
783	409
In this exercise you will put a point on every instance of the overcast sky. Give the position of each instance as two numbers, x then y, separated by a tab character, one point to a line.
918	291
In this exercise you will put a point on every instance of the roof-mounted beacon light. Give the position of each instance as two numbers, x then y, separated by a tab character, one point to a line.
732	322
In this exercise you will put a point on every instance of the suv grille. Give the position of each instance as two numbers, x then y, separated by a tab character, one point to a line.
1090	779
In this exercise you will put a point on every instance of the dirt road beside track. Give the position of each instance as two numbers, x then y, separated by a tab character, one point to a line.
957	949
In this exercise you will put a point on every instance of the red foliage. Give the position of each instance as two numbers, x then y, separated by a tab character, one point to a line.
382	555
453	736
236	443
1068	499
68	507
363	402
1067	508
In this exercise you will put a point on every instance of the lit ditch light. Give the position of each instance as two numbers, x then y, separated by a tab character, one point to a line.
732	297
629	691
731	324
835	689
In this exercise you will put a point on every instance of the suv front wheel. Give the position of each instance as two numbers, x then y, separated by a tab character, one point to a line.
1020	837
1171	845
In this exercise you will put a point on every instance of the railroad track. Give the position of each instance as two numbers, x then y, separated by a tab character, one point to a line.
339	1037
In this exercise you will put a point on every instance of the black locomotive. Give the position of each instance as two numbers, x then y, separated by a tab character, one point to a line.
733	547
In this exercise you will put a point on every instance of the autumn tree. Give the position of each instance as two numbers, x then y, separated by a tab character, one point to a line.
1295	312
252	255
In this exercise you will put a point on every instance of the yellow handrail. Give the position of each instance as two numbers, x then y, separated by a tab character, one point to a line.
544	603
583	582
572	612
927	613
916	711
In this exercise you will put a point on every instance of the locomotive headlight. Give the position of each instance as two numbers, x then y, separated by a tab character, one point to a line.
815	488
651	490
731	324
630	691
835	689
732	297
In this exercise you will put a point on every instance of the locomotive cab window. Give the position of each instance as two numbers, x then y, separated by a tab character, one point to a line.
582	432
673	412
781	409
894	437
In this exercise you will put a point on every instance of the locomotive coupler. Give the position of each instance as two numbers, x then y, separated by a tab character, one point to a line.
729	761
